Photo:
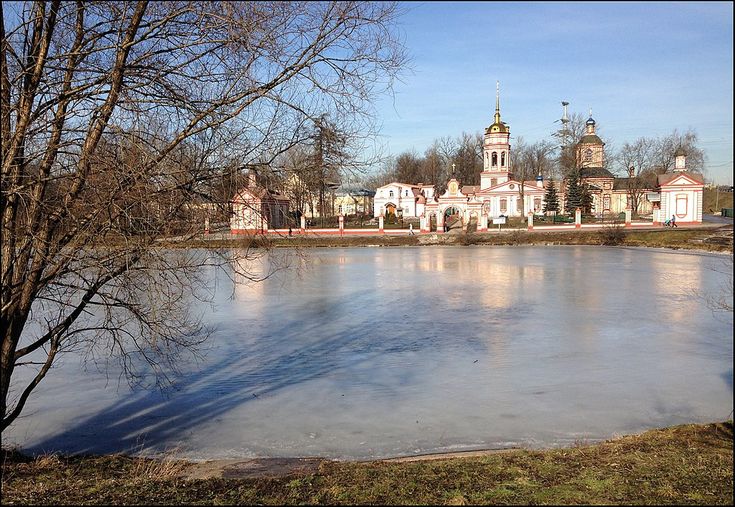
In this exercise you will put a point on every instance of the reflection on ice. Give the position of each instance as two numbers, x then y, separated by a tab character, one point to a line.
384	352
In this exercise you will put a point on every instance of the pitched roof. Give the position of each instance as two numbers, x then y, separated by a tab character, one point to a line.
590	139
667	178
595	172
646	181
354	192
261	193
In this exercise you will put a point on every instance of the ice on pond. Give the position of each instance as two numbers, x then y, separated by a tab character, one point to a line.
377	352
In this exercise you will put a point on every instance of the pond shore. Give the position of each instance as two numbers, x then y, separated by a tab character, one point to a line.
688	464
707	237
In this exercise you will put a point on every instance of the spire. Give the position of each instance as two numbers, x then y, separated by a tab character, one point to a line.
497	102
498	126
590	123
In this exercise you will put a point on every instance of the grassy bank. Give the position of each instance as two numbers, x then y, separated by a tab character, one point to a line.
690	464
708	239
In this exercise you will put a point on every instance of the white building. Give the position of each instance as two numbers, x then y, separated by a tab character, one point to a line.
498	193
681	194
402	199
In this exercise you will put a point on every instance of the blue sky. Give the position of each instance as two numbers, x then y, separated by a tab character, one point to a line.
645	69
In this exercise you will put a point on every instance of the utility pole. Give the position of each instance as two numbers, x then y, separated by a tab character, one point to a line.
564	121
564	135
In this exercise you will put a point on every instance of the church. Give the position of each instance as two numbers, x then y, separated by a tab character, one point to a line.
501	195
497	195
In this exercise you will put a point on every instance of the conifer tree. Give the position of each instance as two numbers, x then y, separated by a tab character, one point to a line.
551	199
586	200
574	192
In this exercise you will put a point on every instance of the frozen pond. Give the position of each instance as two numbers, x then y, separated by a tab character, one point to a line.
377	352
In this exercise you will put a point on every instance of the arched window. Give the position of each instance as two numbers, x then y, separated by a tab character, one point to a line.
495	159
588	155
390	194
502	159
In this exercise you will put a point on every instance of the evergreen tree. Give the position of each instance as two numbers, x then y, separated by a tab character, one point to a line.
574	192
586	201
551	199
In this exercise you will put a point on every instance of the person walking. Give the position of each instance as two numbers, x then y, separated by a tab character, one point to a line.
673	221
410	229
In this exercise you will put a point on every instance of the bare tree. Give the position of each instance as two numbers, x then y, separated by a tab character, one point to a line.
636	159
643	159
329	155
446	148
434	167
529	161
468	159
297	167
567	138
408	168
665	149
117	119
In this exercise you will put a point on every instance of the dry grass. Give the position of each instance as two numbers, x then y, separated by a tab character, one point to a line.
690	464
168	467
708	239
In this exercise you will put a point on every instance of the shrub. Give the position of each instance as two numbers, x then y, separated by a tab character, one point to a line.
469	239
612	235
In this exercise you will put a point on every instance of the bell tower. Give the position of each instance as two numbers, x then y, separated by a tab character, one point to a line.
496	149
590	149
